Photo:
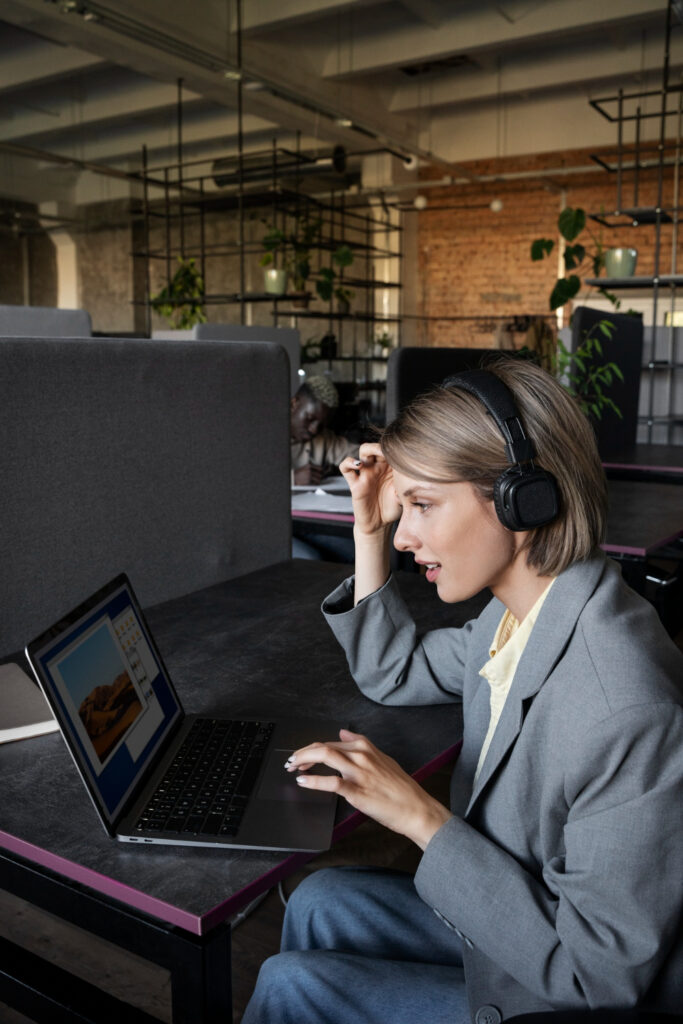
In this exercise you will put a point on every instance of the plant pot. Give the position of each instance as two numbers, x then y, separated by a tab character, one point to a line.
275	281
343	307
300	300
620	262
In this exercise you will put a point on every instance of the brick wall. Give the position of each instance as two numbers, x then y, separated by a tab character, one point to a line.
474	267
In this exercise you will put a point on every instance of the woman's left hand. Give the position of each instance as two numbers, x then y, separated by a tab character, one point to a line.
373	783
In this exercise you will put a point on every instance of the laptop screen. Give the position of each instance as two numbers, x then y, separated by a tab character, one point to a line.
109	691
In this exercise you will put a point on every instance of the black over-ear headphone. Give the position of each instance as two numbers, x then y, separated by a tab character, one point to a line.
524	495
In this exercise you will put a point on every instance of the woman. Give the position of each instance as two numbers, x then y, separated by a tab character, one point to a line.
555	875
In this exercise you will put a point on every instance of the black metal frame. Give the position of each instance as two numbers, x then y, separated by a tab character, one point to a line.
199	964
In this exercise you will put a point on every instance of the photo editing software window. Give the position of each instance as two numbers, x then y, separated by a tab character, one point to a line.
115	701
104	678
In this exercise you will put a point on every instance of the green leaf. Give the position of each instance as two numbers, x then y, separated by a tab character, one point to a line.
571	222
541	247
343	257
565	289
574	255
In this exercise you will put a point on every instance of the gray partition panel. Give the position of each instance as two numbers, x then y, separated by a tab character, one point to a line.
167	460
44	321
288	337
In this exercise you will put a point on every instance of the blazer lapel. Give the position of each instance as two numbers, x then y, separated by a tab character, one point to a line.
549	637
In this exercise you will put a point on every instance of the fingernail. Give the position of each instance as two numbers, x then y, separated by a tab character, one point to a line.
357	463
302	780
289	762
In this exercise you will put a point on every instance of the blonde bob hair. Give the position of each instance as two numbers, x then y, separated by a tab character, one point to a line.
447	435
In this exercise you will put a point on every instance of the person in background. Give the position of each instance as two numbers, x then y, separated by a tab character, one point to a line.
553	879
316	451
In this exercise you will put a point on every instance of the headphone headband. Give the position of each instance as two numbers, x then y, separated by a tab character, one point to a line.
524	497
499	402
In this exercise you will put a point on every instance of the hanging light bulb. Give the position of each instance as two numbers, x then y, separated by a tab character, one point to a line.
420	202
496	205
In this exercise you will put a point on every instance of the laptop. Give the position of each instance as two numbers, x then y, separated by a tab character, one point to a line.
154	773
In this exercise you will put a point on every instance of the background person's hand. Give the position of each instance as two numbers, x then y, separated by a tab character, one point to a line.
371	482
310	474
373	783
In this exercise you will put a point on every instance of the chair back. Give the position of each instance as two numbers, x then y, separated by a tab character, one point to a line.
412	371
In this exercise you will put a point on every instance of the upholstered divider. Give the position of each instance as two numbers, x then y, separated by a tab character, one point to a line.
167	460
288	337
44	321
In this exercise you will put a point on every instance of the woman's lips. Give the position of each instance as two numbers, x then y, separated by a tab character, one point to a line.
433	570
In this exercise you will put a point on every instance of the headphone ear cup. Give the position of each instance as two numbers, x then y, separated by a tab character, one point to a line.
499	489
524	501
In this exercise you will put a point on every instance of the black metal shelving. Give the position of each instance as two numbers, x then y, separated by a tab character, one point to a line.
186	196
664	344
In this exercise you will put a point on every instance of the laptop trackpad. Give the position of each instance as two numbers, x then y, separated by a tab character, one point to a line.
278	784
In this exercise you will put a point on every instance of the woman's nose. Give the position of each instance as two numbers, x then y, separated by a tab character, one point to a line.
404	539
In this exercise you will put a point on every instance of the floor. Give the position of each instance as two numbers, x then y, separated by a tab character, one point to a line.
254	939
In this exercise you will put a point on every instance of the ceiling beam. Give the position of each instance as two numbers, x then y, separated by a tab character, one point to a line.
40	64
138	98
482	29
426	11
290	96
527	73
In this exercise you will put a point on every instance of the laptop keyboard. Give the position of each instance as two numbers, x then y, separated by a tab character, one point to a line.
205	788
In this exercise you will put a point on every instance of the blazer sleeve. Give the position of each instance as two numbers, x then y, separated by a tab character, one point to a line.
390	663
595	925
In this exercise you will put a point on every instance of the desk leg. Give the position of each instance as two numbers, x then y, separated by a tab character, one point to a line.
201	979
199	965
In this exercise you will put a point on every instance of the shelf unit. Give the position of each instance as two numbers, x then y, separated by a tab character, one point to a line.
661	410
182	221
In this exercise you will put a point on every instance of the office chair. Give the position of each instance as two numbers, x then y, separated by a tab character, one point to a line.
412	371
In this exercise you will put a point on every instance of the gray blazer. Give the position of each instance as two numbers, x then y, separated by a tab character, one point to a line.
561	869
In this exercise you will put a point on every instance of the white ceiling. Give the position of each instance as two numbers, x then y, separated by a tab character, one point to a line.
91	81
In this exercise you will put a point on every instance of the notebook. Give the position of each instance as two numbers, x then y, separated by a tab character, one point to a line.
154	773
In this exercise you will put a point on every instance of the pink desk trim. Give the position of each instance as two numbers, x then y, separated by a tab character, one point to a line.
102	883
342	517
644	469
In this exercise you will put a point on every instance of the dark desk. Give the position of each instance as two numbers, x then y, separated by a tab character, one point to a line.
643	515
661	463
256	646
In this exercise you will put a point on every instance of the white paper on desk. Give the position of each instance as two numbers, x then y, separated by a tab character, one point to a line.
331	485
320	501
24	711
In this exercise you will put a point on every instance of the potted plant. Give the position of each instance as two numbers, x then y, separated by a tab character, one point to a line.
571	223
295	248
325	285
274	278
181	300
580	371
584	376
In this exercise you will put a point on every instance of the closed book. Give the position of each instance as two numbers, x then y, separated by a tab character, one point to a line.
24	711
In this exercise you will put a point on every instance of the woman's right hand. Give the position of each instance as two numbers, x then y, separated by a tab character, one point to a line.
371	481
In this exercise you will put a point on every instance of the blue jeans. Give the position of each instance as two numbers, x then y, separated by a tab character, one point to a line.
359	946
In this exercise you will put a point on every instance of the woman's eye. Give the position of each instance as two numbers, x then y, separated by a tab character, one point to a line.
422	505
